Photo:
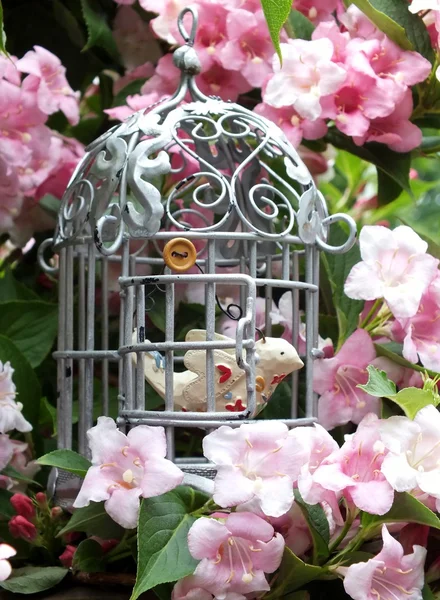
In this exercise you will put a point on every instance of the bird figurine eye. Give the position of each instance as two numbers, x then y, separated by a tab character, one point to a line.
282	353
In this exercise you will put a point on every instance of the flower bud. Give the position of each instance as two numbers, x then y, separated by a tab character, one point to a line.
23	506
56	512
41	499
20	527
66	558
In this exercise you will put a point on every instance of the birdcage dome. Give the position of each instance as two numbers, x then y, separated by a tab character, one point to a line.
227	169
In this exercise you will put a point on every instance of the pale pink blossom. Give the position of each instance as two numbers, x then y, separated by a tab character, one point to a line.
228	326
47	78
134	38
355	470
390	574
235	552
357	24
394	266
413	459
294	529
331	30
336	380
211	36
11	196
260	461
395	130
125	468
293	125
316	10
420	334
16	454
306	75
189	588
221	82
142	72
419	5
11	416
164	25
6	551
249	48
283	315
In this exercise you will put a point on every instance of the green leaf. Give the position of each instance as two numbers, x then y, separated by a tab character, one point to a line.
378	384
99	32
387	189
430	144
405	508
32	326
48	415
30	580
276	13
11	289
394	19
6	508
338	267
68	460
395	164
299	26
93	520
293	574
427	593
2	33
26	382
67	20
410	400
14	474
164	522
89	557
318	525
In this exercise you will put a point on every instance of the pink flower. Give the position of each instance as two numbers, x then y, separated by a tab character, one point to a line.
66	558
306	75
260	461
126	467
6	450
293	125
189	588
249	48
235	552
390	574
413	460
134	39
337	378
395	130
394	266
316	10
163	25
355	470
218	81
228	326
284	316
294	529
418	5
48	80
23	506
20	527
6	551
11	195
421	333
11	416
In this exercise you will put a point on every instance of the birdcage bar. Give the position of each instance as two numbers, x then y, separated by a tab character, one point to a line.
90	336
63	417
69	340
311	330
81	306
207	422
295	332
169	360
140	327
104	334
128	366
268	298
210	327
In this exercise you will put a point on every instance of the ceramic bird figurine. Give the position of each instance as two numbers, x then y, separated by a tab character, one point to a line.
277	358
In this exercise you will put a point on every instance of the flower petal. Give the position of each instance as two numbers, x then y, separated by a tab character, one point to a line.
105	441
275	495
231	487
205	538
160	476
249	526
374	497
149	441
123	507
94	488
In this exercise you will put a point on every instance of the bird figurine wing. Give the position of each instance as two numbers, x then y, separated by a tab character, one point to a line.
199	335
227	373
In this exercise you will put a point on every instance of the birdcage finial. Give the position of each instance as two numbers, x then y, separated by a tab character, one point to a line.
185	58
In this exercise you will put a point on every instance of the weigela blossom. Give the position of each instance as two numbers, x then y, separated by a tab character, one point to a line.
293	125
126	467
47	78
390	574
355	470
420	334
234	552
189	588
394	266
134	39
337	378
66	558
260	461
20	527
23	506
306	75
413	459
6	551
418	5
11	416
163	25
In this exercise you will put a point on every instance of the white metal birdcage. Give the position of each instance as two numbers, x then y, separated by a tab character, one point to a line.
248	209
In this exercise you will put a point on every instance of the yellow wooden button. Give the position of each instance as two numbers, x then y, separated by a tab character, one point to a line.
179	254
260	384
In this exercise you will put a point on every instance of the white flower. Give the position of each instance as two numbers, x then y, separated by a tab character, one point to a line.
11	416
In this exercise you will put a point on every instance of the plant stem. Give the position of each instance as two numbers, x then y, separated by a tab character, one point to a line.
371	313
348	523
